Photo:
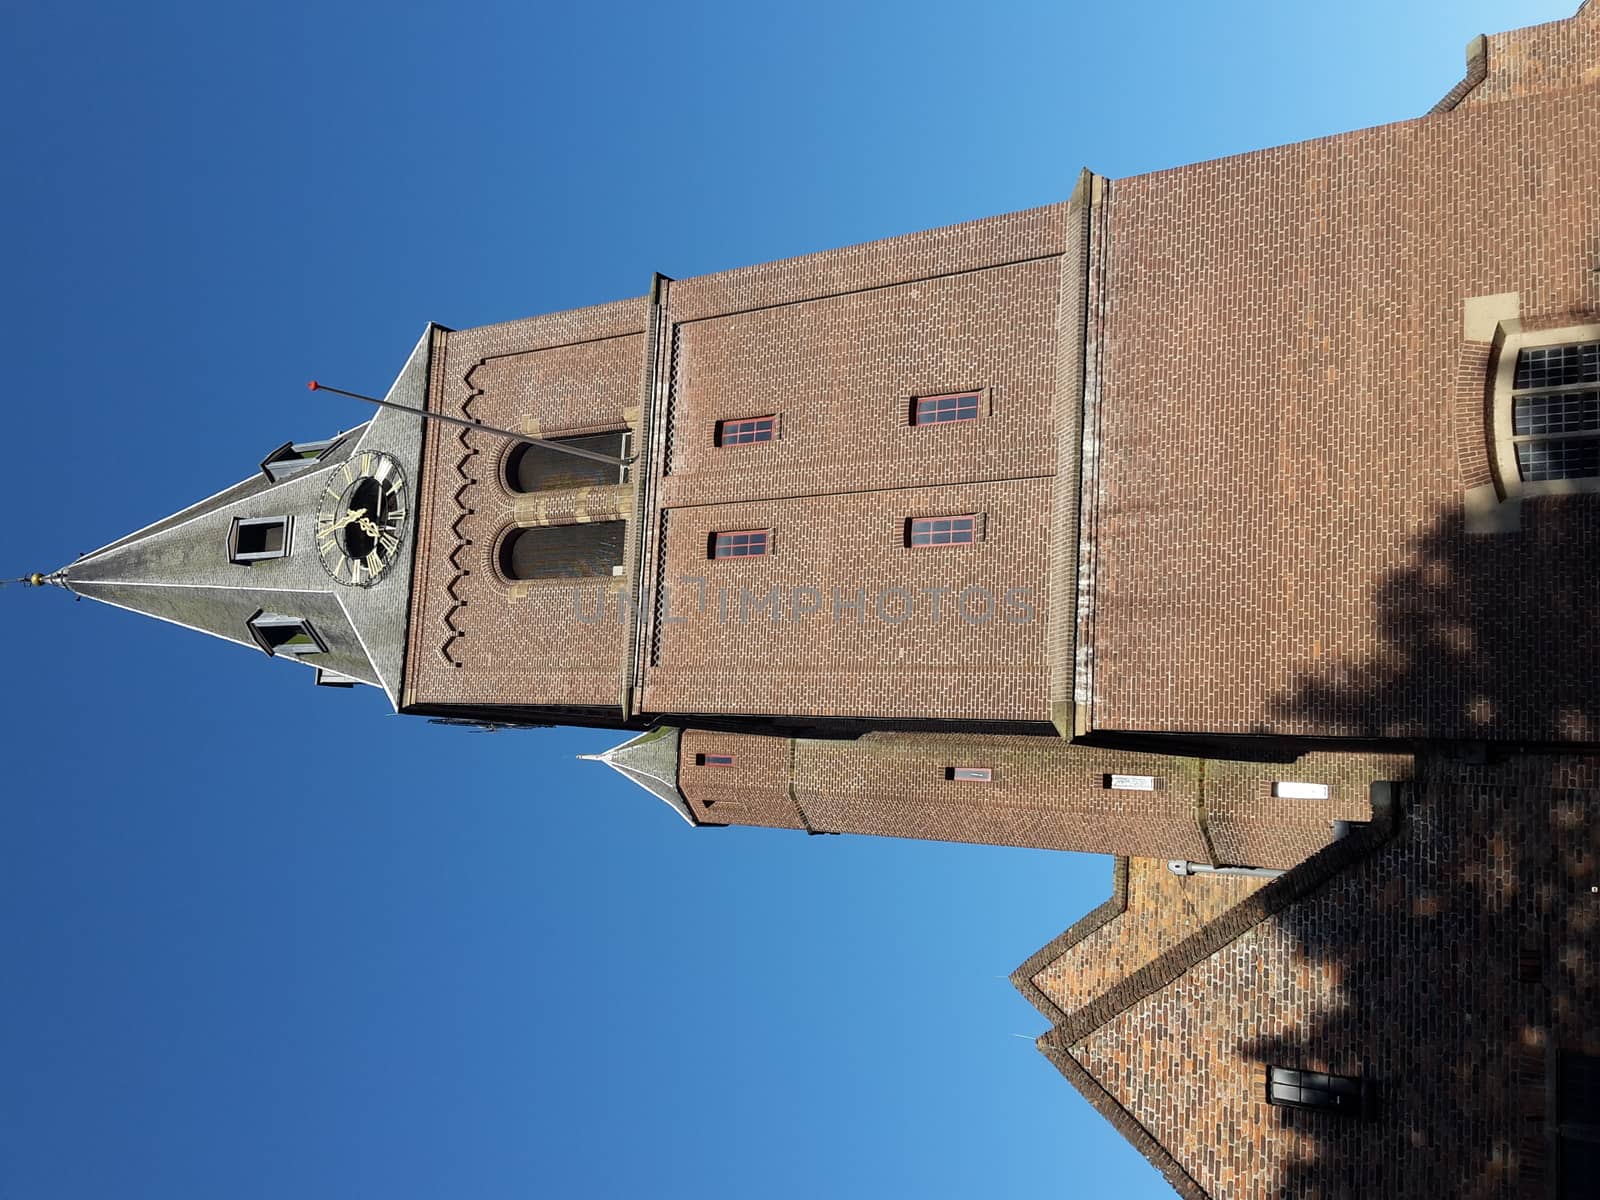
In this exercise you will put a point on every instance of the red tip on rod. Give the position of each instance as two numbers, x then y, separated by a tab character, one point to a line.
313	385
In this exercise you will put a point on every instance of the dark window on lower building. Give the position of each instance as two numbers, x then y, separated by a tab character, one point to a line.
533	467
589	550
713	760
1316	1090
1578	1110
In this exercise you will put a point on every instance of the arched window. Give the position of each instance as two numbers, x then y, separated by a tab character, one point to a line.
584	551
1547	411
530	467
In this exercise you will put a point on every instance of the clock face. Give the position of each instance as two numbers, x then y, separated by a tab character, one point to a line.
362	521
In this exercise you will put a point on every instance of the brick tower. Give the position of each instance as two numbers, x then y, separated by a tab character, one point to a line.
1050	529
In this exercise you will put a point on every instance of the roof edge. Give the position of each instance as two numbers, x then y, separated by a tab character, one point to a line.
1123	1121
1288	889
1091	922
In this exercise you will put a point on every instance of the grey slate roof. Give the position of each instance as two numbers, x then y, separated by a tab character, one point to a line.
651	761
177	569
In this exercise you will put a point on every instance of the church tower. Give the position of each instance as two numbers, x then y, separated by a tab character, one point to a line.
1120	524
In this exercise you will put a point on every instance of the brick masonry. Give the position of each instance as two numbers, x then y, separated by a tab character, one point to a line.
1284	451
1446	963
1042	793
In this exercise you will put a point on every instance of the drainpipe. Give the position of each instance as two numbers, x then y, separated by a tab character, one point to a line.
1179	866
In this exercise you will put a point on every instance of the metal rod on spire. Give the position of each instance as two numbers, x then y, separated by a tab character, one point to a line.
476	425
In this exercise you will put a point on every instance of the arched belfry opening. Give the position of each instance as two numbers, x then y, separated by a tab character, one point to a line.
589	550
533	467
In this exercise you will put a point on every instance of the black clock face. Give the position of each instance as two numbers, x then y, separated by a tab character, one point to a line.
362	521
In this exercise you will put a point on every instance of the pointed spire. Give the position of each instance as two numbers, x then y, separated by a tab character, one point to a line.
651	761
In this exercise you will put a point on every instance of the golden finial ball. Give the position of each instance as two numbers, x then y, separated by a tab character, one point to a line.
36	579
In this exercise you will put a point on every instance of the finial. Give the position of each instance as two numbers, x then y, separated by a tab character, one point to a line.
38	579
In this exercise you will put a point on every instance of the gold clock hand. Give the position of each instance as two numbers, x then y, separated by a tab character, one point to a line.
353	514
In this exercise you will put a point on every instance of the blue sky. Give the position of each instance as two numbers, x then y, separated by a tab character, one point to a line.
245	960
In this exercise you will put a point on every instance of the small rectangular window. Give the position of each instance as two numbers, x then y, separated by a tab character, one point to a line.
746	430
942	531
254	538
285	636
713	760
940	410
970	774
739	543
1290	789
1315	1090
1131	783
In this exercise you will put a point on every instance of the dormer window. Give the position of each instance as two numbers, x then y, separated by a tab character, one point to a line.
289	637
293	457
252	539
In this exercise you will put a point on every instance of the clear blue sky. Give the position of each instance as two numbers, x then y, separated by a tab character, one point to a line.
466	965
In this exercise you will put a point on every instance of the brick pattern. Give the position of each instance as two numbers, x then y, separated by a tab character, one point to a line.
1161	910
837	345
1357	964
1554	56
1280	455
1043	793
476	637
873	644
842	372
974	246
1471	418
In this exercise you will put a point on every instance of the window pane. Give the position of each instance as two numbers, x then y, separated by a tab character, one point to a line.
1558	366
1556	412
747	543
942	531
1559	459
933	410
746	430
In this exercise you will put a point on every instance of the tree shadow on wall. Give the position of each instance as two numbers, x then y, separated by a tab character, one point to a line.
1453	956
1478	637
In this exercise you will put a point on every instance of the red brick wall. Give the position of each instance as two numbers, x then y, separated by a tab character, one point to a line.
1279	539
475	638
1550	57
838	344
1446	970
1162	910
1044	793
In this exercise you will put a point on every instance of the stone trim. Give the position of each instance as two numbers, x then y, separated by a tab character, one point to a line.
1091	922
1477	72
1072	339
